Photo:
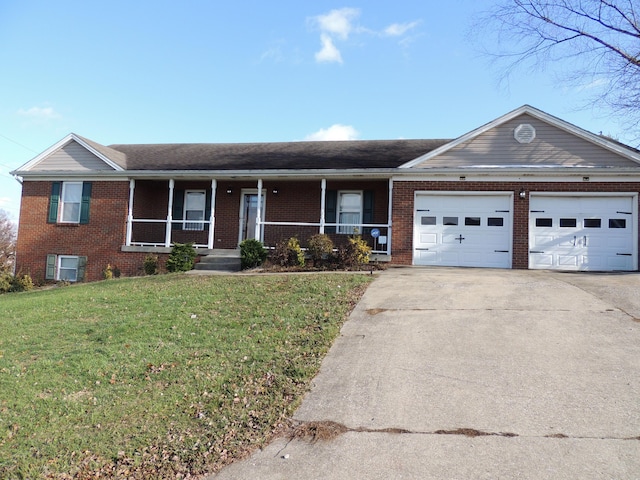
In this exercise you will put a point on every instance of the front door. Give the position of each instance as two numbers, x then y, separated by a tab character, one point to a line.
248	215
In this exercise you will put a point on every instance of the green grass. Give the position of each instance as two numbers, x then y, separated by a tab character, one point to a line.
159	376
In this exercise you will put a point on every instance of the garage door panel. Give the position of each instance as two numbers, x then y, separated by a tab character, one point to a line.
582	233
619	262
428	239
594	262
619	242
463	230
543	260
568	260
426	255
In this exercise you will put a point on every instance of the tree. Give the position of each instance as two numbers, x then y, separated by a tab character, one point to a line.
8	233
597	42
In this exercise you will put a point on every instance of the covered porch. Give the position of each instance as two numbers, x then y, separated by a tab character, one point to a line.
217	214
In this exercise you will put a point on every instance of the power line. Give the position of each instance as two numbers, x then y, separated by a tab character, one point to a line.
18	143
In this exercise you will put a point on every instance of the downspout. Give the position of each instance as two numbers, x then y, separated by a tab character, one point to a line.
323	195
132	188
259	212
212	218
167	236
390	216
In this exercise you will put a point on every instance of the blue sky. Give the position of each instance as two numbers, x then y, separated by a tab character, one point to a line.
253	71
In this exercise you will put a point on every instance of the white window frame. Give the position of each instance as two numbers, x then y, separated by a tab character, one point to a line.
59	267
64	203
190	224
349	229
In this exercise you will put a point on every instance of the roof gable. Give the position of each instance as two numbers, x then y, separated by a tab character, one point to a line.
551	143
75	154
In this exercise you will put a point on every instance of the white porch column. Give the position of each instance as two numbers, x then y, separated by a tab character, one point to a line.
167	235
132	187
390	215
259	212
323	196
212	218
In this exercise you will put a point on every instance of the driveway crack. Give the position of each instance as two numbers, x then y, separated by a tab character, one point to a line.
327	430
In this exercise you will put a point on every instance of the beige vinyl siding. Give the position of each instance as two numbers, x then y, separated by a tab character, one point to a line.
551	147
72	157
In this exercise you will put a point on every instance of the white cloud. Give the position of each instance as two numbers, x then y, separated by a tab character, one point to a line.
329	52
335	25
338	22
399	29
334	132
39	113
339	25
597	83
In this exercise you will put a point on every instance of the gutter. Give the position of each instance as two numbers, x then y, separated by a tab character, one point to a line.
399	174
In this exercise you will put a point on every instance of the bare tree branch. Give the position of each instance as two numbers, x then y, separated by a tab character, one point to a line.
595	40
8	231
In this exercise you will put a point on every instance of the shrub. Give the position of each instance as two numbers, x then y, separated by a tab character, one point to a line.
22	283
252	253
107	273
355	253
287	253
5	280
320	248
150	264
181	258
14	283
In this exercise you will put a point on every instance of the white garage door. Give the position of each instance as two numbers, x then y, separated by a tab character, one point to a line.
463	230
582	233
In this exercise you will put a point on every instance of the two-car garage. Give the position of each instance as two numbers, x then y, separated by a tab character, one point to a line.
566	231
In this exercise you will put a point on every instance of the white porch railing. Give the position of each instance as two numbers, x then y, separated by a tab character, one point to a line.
139	240
381	243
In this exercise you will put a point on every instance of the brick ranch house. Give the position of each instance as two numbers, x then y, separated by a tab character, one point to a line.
527	190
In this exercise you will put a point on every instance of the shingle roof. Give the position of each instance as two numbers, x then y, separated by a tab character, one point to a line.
353	154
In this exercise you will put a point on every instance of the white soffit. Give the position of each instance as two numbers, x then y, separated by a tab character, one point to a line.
540	115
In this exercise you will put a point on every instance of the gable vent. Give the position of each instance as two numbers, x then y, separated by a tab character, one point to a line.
524	133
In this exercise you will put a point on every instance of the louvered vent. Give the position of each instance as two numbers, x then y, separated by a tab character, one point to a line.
524	133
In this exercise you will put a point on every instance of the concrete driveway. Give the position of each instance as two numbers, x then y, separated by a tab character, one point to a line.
475	373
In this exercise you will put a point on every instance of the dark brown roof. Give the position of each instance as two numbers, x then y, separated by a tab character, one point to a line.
353	154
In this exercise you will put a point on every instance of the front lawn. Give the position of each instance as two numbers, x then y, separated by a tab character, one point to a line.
159	377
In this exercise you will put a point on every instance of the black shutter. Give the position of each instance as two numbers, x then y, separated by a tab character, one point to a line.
86	200
367	210
178	208
330	209
207	207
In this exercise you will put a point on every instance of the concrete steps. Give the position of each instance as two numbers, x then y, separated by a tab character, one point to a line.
220	261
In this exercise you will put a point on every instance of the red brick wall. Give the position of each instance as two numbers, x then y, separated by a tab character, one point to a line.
100	240
403	197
